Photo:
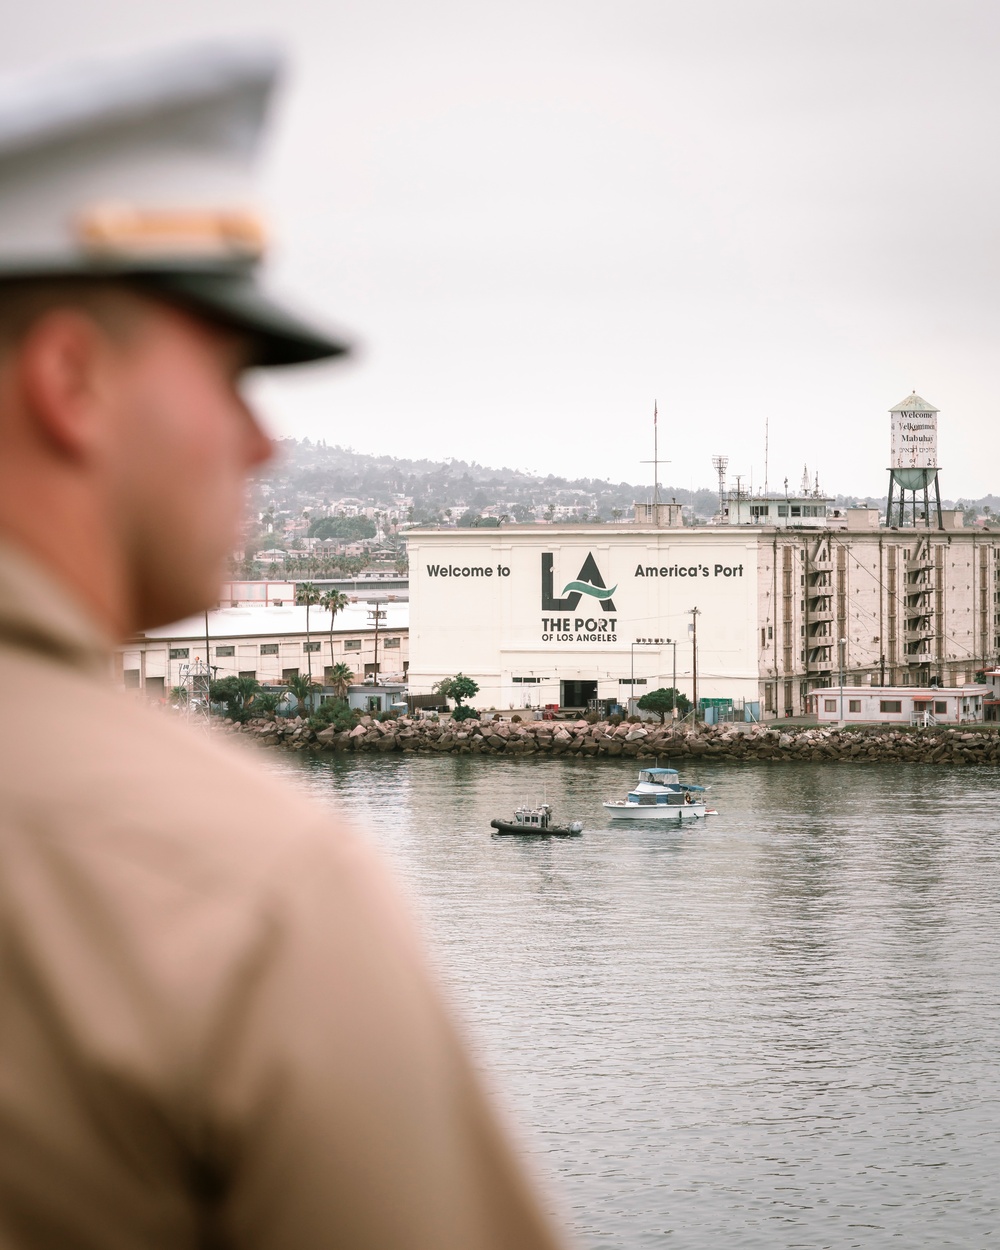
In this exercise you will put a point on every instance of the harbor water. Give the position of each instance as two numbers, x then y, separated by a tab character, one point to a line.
775	1028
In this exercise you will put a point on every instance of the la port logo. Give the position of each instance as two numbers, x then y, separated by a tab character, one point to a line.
588	581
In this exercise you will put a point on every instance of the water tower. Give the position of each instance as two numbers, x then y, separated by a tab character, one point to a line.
913	462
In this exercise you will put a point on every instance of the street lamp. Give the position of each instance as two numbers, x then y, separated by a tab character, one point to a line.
672	642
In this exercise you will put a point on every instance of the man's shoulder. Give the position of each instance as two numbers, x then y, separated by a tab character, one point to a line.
89	766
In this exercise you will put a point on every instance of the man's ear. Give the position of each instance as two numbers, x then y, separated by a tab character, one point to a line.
63	371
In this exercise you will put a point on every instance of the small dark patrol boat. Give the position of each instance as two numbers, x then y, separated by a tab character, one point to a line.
537	822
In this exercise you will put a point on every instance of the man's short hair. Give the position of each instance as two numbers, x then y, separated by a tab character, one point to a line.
23	301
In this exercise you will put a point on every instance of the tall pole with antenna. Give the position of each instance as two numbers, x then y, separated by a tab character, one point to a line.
656	462
656	468
767	433
720	464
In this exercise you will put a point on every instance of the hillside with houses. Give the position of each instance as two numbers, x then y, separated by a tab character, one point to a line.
322	510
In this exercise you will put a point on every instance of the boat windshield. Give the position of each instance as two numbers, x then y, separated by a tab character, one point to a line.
659	776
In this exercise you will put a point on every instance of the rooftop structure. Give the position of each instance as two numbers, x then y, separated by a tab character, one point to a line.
809	511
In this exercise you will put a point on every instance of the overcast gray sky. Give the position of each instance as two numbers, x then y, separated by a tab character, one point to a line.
538	216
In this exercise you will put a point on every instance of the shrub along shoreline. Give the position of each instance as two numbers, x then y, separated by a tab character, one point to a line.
954	744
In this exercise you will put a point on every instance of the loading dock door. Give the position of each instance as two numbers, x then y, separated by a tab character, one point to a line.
577	693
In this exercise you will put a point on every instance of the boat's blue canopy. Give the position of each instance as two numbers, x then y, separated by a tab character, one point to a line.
659	772
640	795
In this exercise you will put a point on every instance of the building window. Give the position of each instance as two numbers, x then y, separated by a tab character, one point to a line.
250	672
269	648
311	646
890	705
770	631
631	681
288	673
179	653
352	644
390	642
940	706
854	705
530	681
768	699
131	676
223	652
782	509
829	705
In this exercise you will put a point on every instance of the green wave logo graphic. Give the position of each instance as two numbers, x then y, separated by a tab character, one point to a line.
585	588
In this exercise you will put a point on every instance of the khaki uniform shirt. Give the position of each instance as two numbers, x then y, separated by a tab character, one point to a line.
217	1028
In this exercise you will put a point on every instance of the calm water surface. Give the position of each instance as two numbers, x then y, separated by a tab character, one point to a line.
778	1028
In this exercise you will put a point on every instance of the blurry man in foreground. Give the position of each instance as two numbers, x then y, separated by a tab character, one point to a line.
216	1024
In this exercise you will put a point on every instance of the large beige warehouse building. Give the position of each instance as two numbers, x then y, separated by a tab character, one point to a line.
564	614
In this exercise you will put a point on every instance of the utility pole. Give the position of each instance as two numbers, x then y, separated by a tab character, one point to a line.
841	644
208	669
695	613
377	615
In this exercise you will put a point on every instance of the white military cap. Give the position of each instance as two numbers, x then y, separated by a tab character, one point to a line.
142	169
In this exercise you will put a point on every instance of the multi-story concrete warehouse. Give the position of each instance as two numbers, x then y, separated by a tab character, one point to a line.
570	614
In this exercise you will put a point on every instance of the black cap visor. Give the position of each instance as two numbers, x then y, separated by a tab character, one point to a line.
236	300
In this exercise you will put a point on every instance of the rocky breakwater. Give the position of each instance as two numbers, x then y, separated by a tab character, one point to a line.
937	745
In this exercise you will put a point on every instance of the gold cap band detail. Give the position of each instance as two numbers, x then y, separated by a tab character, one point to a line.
148	233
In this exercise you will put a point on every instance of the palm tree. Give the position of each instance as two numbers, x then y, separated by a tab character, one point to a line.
341	676
308	593
247	688
303	688
334	601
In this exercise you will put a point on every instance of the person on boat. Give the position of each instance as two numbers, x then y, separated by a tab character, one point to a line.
687	797
218	1023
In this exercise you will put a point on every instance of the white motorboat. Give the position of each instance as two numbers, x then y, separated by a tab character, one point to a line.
660	794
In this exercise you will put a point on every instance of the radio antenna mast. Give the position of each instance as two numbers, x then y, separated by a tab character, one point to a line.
720	464
656	466
767	431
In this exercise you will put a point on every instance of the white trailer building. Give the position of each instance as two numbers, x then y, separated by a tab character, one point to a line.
899	705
